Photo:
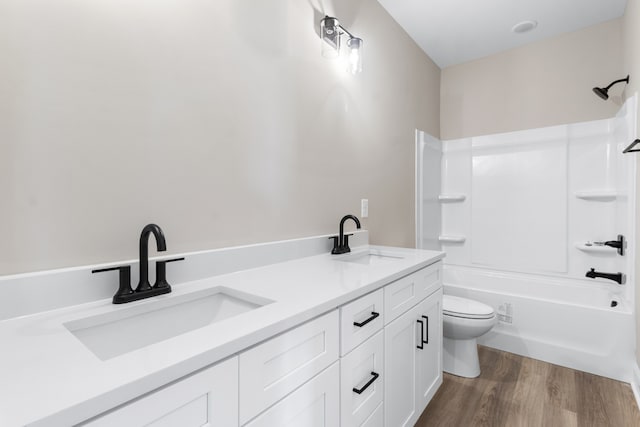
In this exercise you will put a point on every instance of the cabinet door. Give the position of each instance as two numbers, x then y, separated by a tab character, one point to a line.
376	419
315	404
362	369
429	358
207	398
401	295
400	340
273	369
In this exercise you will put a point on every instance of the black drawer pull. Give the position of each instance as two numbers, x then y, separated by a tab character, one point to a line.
366	386
374	315
420	346
426	318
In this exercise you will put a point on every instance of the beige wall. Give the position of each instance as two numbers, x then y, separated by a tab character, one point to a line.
220	121
541	84
631	43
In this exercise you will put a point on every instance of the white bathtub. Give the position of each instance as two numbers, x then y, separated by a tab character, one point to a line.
562	321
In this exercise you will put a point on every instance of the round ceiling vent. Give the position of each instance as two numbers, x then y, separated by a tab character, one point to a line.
524	27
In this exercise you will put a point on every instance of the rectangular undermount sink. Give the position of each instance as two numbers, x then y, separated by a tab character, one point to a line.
113	334
370	257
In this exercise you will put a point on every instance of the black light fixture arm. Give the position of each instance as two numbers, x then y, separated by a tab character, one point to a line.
344	30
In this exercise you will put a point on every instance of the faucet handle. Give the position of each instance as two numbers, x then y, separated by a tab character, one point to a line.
161	273
345	244
124	287
336	243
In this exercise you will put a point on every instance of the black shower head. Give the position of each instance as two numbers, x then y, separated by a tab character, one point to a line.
603	92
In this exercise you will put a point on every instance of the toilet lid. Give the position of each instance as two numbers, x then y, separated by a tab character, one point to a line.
462	307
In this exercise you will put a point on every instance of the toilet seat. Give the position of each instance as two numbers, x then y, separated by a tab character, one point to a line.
465	308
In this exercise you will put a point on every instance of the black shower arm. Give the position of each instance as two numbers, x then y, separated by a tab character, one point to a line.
626	80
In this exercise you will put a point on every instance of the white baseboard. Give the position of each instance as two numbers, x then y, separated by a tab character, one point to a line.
635	383
585	360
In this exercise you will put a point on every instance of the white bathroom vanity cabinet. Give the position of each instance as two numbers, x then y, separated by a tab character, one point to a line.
347	340
386	344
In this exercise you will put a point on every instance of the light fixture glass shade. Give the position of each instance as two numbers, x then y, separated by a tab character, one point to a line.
354	65
330	36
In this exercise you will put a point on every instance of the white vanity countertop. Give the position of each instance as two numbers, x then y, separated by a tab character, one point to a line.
48	377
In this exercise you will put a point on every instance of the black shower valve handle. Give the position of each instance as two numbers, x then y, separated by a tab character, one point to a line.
618	244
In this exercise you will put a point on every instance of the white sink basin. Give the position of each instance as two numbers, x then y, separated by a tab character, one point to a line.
370	257
112	334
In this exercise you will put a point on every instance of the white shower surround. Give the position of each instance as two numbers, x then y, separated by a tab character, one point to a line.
533	198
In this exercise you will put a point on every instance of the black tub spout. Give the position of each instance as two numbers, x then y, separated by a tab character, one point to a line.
620	278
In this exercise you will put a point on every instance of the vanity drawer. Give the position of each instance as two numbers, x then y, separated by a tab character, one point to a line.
273	369
360	319
429	280
404	293
362	368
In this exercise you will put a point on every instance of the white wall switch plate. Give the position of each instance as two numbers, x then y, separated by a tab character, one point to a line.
364	208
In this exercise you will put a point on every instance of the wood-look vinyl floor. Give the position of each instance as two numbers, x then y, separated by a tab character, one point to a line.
516	391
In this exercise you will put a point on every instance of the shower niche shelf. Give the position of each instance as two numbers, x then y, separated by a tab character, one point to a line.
596	249
597	195
451	198
452	239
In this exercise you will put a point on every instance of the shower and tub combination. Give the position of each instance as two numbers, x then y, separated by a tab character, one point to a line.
539	225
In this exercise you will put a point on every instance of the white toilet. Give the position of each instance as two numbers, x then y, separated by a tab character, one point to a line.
464	320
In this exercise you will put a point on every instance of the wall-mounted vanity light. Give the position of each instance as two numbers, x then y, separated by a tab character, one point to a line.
331	32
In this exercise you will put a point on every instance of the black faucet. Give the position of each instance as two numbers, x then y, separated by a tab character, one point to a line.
161	244
341	242
616	277
144	290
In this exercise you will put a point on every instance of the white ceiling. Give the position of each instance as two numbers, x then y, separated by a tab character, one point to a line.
456	31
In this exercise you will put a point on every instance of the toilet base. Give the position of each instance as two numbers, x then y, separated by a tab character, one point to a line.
461	357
